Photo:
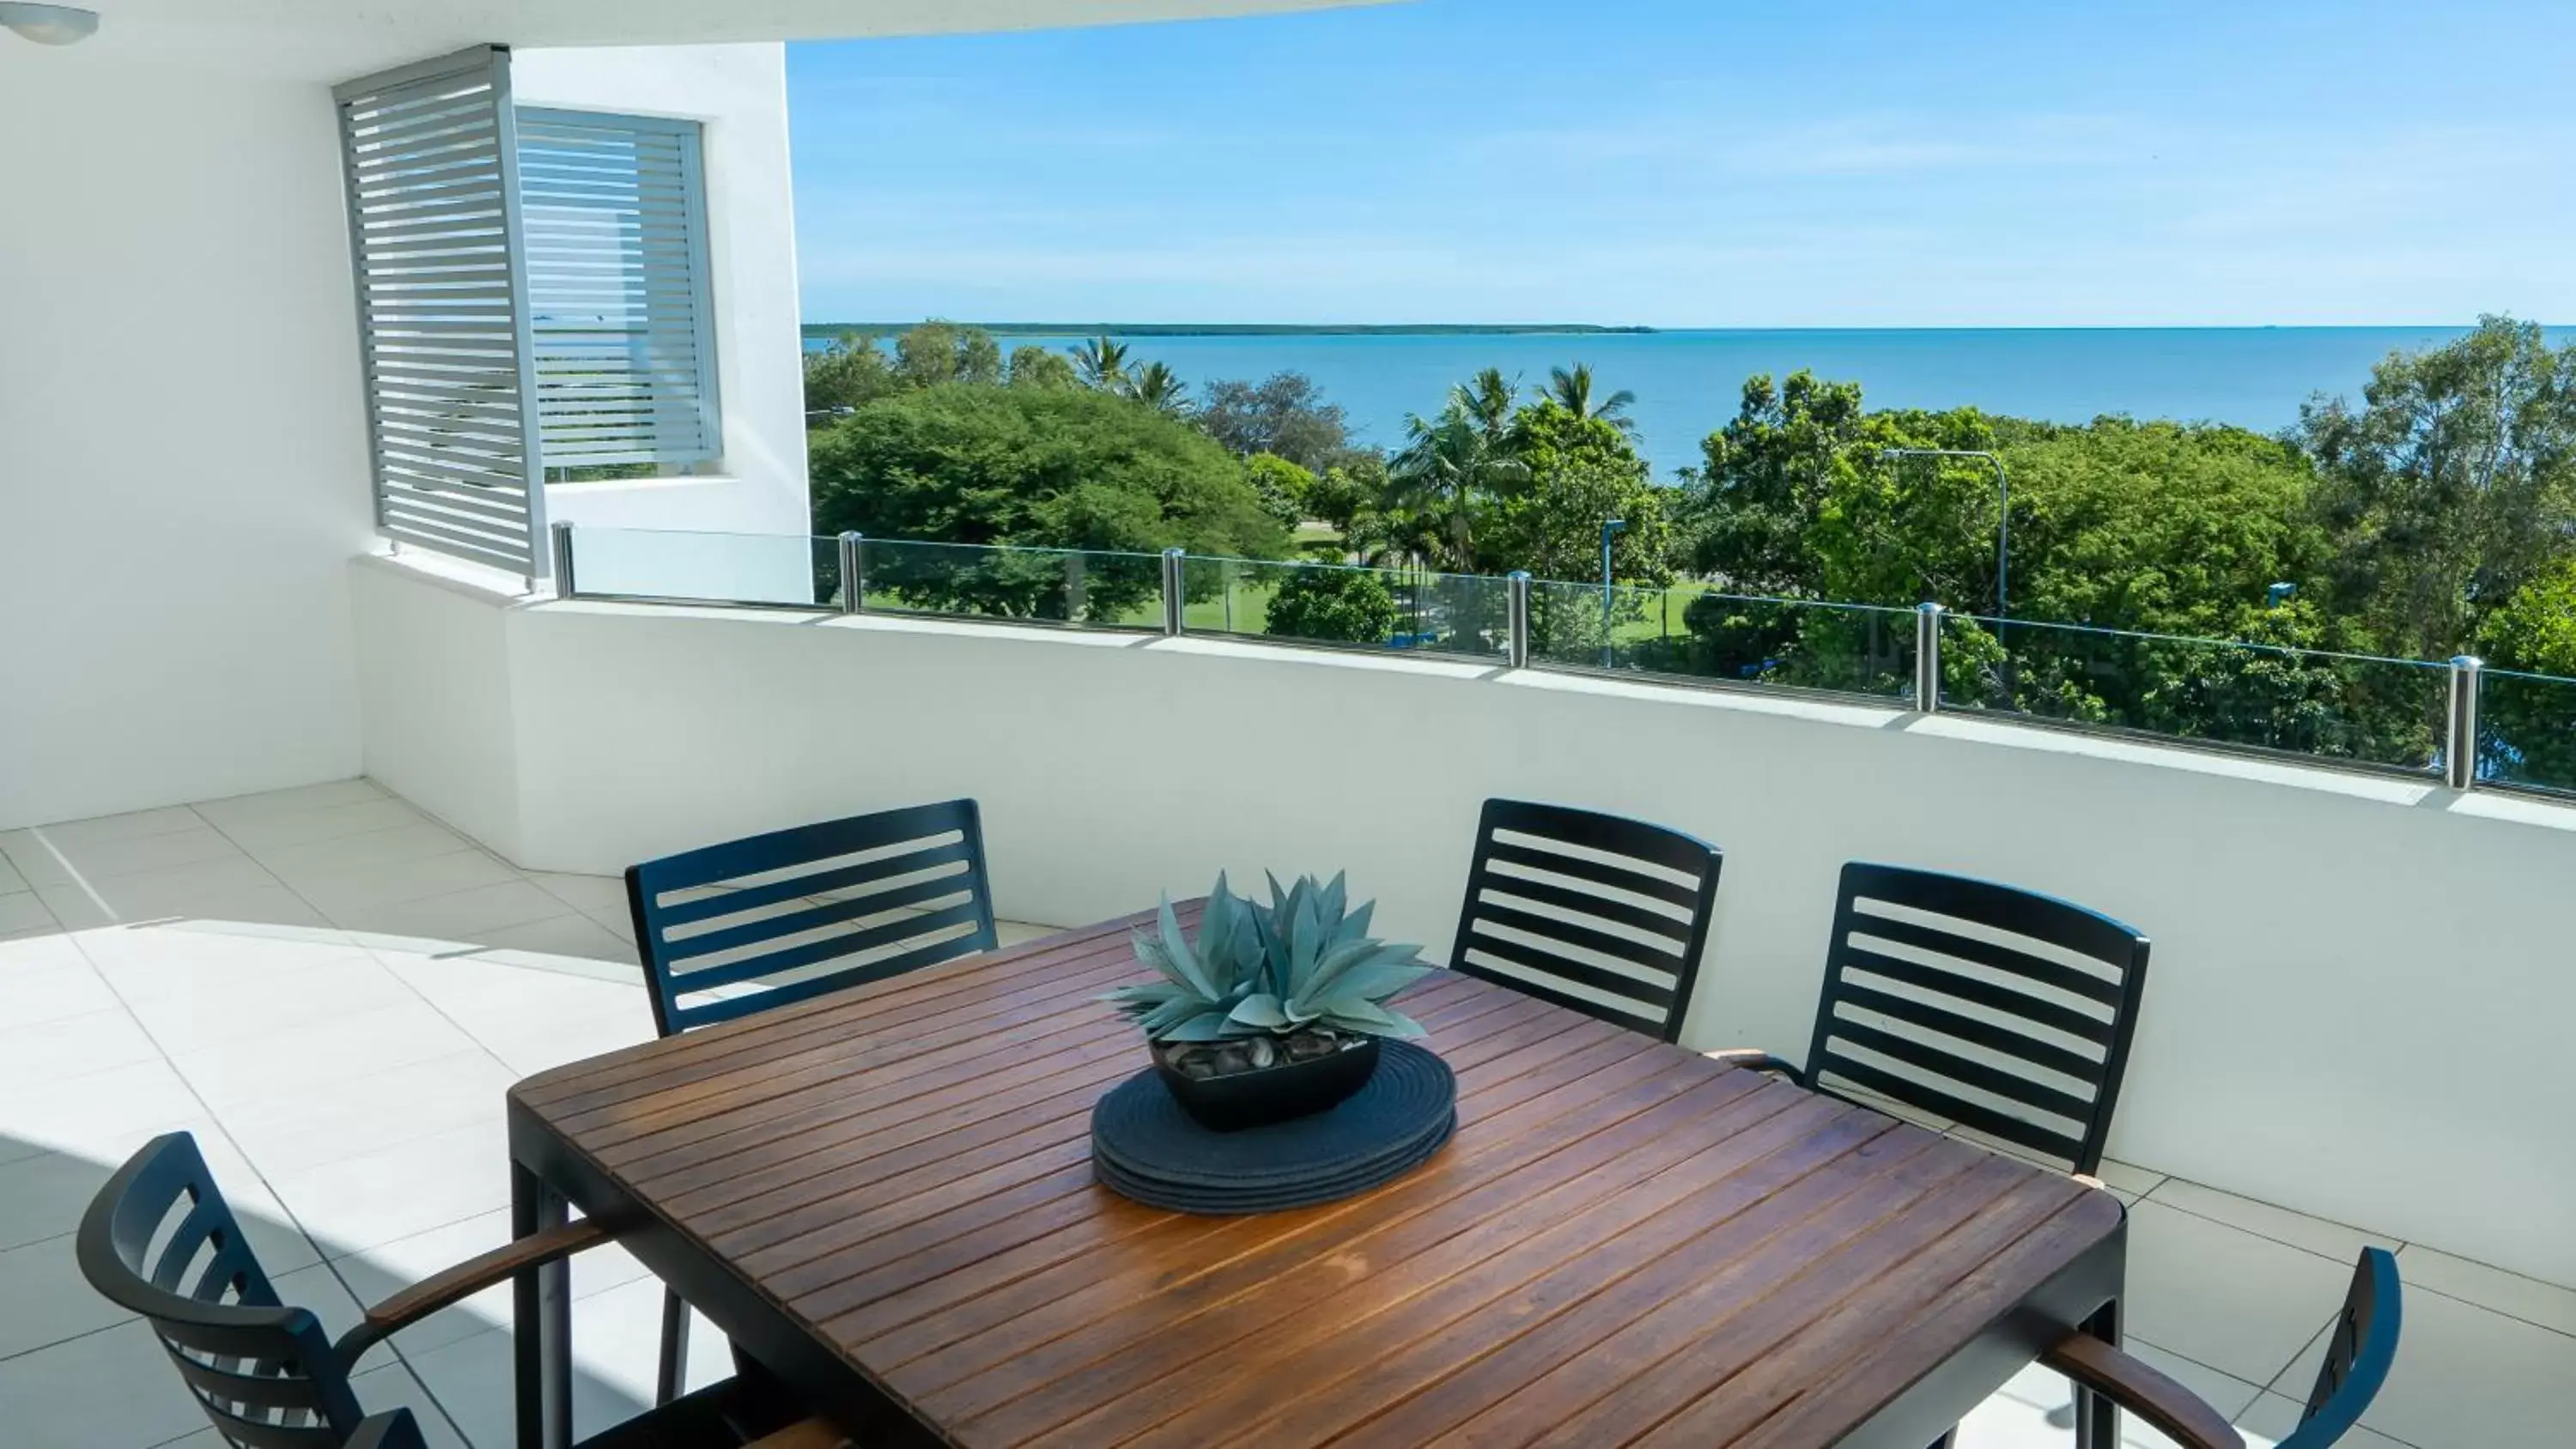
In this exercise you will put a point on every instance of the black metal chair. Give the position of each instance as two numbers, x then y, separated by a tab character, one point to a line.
2358	1357
1555	895
761	922
2007	1012
160	1242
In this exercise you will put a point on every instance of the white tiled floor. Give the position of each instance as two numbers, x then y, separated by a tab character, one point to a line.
206	966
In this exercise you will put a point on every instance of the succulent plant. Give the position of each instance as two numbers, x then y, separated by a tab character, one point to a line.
1303	961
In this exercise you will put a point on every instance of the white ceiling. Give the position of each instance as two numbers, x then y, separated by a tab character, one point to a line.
336	39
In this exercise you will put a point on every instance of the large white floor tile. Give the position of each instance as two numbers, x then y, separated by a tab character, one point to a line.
285	1135
459	918
2468	1378
2132	1181
537	1045
42	1195
53	991
110	1114
225	886
572	934
11	882
2274	1416
100	828
2326	1239
313	860
377	1197
61	861
291	801
167	958
2510	1294
494	998
35	1055
24	913
2242	1304
267	829
108	1390
265	1066
280	1009
44	1299
359	888
593	894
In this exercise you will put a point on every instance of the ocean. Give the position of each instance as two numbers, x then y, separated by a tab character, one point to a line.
1688	382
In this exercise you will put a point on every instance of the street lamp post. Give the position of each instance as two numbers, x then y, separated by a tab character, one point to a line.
1610	528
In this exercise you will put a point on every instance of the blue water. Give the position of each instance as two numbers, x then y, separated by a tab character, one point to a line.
1688	382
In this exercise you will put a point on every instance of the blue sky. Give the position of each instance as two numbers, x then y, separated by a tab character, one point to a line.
1704	163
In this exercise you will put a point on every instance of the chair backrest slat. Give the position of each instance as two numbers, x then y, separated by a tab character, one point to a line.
2008	1012
761	922
263	1373
2358	1355
1595	913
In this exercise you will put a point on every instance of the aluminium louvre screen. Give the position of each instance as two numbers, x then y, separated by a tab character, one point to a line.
614	222
430	160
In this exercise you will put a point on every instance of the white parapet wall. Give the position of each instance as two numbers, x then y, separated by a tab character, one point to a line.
2360	990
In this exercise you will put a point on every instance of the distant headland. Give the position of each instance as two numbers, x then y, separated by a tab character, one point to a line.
1244	329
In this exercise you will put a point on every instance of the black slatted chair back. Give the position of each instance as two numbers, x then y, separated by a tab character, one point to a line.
160	1242
772	919
2007	1012
1596	913
2359	1355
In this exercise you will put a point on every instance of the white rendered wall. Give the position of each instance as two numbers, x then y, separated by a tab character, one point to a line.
183	454
183	460
2360	988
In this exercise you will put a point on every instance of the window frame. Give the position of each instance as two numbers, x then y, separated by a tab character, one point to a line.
691	138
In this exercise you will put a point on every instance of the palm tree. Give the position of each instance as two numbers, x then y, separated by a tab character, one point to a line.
1157	387
1572	390
1488	398
1451	467
1102	361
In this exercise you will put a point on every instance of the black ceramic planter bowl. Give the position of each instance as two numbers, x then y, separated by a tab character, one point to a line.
1273	1093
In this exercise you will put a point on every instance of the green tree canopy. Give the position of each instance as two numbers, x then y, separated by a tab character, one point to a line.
1037	367
937	352
1576	473
1571	389
1100	362
1157	387
1283	486
850	373
1285	414
1071	469
2452	485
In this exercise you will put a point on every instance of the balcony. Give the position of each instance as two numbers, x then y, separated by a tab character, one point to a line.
333	985
311	849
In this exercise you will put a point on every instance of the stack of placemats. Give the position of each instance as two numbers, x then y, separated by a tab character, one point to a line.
1145	1147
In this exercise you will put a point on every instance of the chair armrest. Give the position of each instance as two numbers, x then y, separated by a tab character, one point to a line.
2165	1405
1754	1059
392	1429
446	1290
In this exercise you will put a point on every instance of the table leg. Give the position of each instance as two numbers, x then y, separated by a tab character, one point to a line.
2097	1418
542	1320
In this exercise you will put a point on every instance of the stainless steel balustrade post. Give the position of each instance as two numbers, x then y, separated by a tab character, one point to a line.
1518	611
1927	658
560	536
1172	582
2460	740
854	572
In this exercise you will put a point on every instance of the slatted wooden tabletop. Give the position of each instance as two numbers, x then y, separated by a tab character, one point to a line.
1624	1244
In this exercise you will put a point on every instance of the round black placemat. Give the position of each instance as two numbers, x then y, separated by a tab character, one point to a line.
1145	1147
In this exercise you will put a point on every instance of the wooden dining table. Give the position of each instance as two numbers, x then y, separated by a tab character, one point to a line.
885	1196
